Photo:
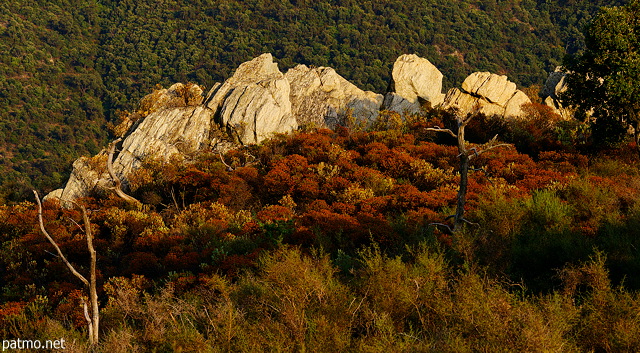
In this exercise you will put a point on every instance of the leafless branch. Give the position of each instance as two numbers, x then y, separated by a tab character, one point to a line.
469	222
93	322
229	168
55	245
442	225
439	129
93	291
488	148
87	317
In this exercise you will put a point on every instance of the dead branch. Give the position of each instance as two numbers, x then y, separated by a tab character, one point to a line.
486	149
469	222
55	245
93	322
116	181
93	292
439	129
229	168
443	225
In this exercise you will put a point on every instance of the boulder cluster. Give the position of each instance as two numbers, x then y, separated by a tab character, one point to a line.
258	100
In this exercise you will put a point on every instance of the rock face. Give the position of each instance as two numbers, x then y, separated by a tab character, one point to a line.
489	94
413	78
553	88
250	106
179	124
254	103
321	97
84	179
494	88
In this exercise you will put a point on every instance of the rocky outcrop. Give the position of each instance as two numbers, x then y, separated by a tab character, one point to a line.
163	134
250	106
494	88
489	94
258	100
414	78
84	179
553	88
320	97
254	103
178	125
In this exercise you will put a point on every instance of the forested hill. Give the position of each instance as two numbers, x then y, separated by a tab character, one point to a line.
67	66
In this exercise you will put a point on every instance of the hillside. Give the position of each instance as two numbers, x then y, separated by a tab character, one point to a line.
67	67
324	240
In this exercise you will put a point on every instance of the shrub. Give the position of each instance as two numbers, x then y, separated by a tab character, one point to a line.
608	320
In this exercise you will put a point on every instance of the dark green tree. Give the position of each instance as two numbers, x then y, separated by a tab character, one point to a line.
603	79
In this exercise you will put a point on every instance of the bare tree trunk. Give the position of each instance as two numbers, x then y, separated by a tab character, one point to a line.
93	292
94	320
458	219
465	156
636	135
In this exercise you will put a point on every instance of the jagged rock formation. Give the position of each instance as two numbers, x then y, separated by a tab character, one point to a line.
254	103
84	178
320	97
487	93
413	78
258	100
179	124
250	106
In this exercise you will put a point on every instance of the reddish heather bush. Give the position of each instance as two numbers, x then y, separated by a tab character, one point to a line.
408	197
344	208
233	264
421	216
376	204
440	156
536	132
141	263
378	228
292	175
274	213
314	146
563	161
237	194
441	197
507	164
180	259
541	178
331	223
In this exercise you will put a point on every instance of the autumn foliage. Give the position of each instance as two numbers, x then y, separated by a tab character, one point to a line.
355	212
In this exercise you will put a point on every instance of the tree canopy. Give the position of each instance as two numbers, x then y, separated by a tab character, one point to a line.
68	66
603	79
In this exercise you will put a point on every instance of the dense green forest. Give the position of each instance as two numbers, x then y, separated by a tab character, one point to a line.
68	66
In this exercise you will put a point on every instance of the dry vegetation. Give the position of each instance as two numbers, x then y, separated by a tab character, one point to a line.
322	241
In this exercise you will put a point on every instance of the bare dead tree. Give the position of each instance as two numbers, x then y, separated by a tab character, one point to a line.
93	320
117	184
465	156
